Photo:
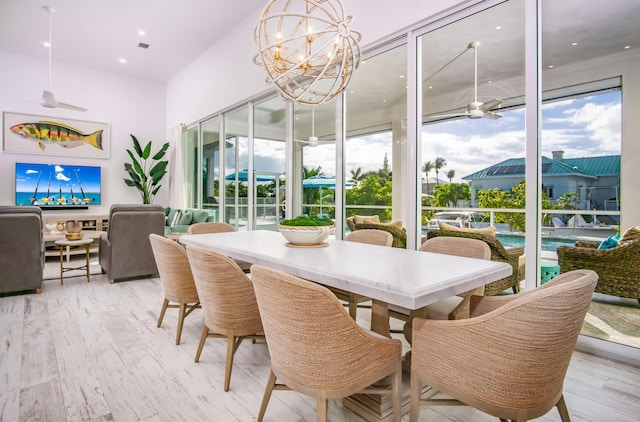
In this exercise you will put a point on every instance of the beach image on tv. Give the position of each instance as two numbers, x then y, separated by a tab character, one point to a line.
57	184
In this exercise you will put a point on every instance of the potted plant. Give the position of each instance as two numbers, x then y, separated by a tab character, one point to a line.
306	231
146	173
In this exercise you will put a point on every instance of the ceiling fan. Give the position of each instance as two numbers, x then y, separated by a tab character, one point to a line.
476	109
48	99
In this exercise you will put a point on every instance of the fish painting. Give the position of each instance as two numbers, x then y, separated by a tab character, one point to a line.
54	133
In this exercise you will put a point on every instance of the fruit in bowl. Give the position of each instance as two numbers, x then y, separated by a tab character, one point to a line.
306	231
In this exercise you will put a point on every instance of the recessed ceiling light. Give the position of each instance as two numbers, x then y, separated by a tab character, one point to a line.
46	44
498	27
626	47
430	87
363	62
122	60
141	32
550	66
384	101
401	76
574	44
489	82
351	92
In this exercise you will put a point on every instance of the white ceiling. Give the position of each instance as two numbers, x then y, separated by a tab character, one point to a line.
97	34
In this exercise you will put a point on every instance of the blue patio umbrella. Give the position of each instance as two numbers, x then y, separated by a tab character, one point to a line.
243	176
320	182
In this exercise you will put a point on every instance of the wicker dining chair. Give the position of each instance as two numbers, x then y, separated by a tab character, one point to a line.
454	307
509	362
228	303
176	278
373	237
316	348
217	227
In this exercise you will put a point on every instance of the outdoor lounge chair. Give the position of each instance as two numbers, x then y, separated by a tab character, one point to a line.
498	253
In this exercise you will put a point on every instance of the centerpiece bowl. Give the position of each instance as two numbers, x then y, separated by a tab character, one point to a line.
306	231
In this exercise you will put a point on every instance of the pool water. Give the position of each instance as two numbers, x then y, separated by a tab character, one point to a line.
548	244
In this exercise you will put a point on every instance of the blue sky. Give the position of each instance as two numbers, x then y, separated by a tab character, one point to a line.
581	127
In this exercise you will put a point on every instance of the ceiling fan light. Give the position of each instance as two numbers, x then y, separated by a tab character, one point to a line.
313	141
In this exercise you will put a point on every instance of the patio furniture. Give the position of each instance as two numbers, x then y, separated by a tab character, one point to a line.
397	231
228	302
125	250
509	362
177	281
21	249
216	227
498	253
618	268
316	348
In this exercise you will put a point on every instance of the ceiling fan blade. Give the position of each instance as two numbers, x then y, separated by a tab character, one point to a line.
491	115
71	106
438	116
489	105
48	100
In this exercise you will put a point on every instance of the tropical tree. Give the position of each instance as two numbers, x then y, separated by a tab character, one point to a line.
146	171
356	175
450	175
437	165
450	194
426	168
372	191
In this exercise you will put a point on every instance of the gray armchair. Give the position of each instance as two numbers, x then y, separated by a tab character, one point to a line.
21	249
125	250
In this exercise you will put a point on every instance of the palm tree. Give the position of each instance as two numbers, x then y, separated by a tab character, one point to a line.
450	175
439	163
356	176
427	167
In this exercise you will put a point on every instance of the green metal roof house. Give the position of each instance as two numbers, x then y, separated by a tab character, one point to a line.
595	179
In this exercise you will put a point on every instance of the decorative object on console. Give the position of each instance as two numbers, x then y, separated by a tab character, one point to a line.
51	186
307	49
35	134
146	176
74	230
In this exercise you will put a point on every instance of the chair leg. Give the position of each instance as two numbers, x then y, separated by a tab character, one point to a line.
562	409
203	338
323	407
353	308
271	382
165	303
231	348
414	404
182	308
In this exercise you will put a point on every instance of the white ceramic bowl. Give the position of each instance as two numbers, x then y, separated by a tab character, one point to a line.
305	235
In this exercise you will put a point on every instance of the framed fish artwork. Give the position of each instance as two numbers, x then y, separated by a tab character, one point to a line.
54	136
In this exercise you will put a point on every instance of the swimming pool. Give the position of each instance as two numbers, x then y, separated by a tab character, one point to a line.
548	244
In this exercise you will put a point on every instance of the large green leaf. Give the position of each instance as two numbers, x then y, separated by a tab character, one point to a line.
162	151
147	151
136	146
134	176
158	170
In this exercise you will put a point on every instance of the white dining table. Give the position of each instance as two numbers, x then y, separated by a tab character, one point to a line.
406	278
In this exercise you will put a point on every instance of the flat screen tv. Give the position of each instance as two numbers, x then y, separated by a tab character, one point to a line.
57	186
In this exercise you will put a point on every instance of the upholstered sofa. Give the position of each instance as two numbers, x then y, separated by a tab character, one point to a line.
179	220
21	249
618	268
498	253
125	250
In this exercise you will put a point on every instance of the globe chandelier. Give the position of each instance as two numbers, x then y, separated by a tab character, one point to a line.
307	48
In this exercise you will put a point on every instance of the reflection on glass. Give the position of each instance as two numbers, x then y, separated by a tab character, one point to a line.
211	166
190	161
236	160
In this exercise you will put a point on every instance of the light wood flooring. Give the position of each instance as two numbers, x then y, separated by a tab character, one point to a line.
92	352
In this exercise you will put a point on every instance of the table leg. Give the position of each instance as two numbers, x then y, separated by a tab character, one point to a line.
61	262
87	247
380	317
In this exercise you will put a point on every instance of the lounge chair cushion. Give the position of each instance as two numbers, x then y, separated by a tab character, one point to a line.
610	242
366	219
491	231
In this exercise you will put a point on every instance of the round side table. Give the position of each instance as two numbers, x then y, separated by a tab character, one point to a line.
62	244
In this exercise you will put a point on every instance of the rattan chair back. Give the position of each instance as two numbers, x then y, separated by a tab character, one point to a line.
371	236
210	227
228	302
176	279
315	347
460	246
510	362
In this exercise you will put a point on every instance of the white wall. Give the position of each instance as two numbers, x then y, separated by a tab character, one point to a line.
128	104
225	74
